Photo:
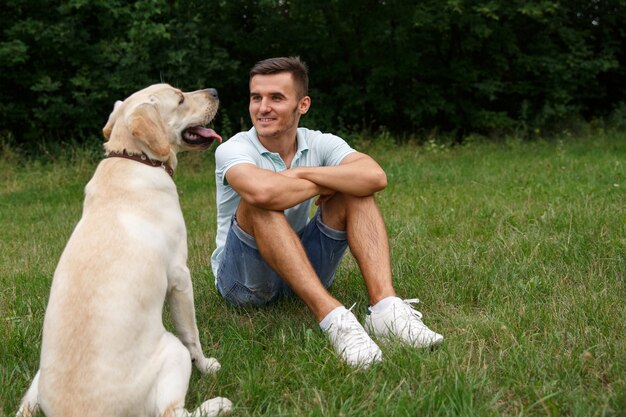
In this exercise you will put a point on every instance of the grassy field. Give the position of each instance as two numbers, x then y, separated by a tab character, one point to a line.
516	250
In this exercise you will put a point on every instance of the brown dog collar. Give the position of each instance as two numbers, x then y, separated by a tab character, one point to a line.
144	159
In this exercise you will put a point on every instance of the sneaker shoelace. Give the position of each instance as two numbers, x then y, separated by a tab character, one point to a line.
353	331
411	325
409	303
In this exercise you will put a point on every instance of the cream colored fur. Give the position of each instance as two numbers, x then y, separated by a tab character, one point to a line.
105	351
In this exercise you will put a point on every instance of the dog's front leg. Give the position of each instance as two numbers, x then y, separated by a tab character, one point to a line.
30	403
181	304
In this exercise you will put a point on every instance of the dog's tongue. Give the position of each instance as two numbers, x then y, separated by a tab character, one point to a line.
205	133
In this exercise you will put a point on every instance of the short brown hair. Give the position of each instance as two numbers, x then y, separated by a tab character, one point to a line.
292	65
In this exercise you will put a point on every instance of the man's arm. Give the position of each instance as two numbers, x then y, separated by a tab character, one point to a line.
270	190
358	175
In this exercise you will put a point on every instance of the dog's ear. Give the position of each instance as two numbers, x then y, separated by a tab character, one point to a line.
145	124
108	128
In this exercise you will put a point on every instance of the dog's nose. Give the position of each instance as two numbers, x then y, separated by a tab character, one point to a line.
213	92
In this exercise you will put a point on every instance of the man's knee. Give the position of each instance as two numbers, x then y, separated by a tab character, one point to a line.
248	216
360	205
337	210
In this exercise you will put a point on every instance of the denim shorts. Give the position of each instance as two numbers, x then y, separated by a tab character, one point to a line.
244	278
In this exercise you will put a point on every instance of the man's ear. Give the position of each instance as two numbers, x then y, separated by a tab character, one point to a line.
304	104
108	127
145	125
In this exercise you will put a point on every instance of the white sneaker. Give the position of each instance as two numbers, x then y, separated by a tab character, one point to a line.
401	321
351	341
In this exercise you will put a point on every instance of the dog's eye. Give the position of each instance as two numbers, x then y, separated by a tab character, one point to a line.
181	100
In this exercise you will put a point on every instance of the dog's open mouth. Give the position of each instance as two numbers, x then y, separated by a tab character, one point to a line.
199	135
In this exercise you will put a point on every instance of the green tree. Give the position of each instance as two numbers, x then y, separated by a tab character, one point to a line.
456	65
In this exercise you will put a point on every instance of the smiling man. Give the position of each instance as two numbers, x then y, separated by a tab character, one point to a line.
267	247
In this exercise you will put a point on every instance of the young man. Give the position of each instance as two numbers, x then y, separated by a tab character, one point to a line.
266	180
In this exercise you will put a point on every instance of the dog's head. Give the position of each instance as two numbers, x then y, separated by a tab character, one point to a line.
160	121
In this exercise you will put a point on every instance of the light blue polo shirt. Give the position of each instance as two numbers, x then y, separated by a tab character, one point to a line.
314	149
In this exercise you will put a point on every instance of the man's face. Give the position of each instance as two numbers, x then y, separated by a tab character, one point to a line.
274	106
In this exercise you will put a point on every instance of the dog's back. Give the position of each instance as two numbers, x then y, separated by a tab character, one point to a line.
108	291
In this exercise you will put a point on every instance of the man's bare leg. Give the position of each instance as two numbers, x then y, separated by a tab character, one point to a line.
286	256
367	239
394	318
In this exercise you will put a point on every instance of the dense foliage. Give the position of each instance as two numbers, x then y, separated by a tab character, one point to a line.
405	66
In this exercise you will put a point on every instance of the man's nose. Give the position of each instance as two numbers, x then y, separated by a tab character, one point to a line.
265	105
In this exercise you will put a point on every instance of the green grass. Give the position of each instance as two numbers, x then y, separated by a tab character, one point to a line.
517	251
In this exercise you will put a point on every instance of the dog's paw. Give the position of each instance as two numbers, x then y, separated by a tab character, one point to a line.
216	406
208	365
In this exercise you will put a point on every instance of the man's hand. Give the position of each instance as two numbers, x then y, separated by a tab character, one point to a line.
358	175
324	194
291	173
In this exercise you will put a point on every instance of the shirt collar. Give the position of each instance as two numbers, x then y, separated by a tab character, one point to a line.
254	138
302	143
303	146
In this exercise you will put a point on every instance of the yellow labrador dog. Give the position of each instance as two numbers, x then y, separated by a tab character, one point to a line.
105	351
